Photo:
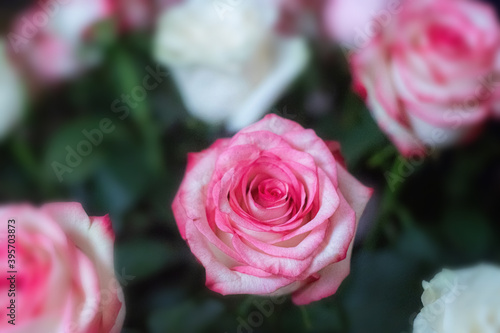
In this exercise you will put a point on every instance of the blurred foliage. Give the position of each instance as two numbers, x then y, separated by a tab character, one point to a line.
444	213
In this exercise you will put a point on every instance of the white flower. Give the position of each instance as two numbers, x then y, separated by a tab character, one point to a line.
11	93
462	301
229	64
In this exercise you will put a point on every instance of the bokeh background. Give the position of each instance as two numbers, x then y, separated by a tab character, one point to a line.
445	212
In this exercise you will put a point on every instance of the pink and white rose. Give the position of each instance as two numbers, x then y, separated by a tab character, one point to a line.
53	38
353	23
429	74
271	211
65	280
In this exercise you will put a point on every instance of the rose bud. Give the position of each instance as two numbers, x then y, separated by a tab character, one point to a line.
64	279
428	74
271	211
465	300
229	63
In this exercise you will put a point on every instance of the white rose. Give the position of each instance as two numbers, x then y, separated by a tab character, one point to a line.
462	301
11	93
229	64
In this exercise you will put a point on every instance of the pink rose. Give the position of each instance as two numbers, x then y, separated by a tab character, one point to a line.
354	22
141	14
429	75
53	37
271	211
65	280
299	17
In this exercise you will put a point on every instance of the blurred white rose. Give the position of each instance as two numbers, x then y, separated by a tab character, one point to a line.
11	93
462	301
228	62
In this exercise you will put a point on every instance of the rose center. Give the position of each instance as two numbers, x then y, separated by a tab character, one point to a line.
446	39
270	191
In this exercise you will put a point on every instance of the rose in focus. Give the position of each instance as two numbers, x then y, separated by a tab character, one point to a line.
65	279
459	301
429	75
271	211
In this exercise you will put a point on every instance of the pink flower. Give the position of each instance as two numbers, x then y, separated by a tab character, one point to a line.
354	22
52	37
299	17
271	211
65	280
141	14
429	75
135	14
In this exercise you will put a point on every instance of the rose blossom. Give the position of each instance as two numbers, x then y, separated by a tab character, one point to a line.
426	75
459	301
354	22
11	93
65	279
228	62
53	41
271	211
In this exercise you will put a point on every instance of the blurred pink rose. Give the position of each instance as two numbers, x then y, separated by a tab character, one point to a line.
65	279
354	22
52	38
271	211
299	16
135	14
140	14
429	76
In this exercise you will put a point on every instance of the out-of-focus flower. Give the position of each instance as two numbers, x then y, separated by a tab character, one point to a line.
461	301
300	17
135	14
11	93
354	23
53	38
64	279
429	75
229	64
271	211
